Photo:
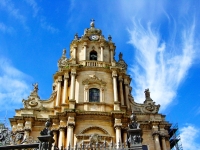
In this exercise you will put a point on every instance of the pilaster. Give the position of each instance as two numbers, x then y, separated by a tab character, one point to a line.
58	91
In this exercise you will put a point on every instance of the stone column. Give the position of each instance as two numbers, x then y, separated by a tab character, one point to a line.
58	91
102	47
114	75
127	93
124	137
118	134
72	91
85	50
55	137
111	55
156	141
118	126
102	94
86	94
70	131
70	135
27	132
121	90
65	94
61	140
116	102
75	48
164	147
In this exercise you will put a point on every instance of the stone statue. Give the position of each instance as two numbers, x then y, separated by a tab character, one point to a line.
147	93
35	89
46	138
134	124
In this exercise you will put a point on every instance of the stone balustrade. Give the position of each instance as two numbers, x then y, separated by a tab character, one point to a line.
93	63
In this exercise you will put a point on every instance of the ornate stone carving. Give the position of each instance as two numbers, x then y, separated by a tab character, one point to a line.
63	61
149	106
92	80
121	63
92	29
33	99
95	138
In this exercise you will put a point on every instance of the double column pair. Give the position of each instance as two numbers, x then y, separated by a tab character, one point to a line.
114	75
66	137
65	90
65	94
156	136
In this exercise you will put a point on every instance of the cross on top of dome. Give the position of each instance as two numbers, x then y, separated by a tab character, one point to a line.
92	23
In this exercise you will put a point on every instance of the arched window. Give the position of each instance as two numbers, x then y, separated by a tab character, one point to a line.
94	95
93	55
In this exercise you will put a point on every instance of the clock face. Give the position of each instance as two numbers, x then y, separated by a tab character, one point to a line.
94	37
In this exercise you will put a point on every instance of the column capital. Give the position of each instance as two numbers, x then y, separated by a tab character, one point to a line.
54	130
118	123
85	44
62	128
27	129
66	75
75	46
71	125
73	71
120	79
114	73
164	135
155	133
102	45
118	127
59	78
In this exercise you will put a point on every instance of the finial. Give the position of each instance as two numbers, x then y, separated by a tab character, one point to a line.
92	23
109	38
76	36
64	52
120	56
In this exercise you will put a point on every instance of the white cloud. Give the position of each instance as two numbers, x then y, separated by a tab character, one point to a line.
156	66
14	86
47	26
5	29
188	135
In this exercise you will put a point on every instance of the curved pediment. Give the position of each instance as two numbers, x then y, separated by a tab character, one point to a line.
94	128
93	79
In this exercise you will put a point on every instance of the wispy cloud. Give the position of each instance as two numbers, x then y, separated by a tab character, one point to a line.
34	6
47	26
188	135
44	24
156	67
14	86
8	6
6	29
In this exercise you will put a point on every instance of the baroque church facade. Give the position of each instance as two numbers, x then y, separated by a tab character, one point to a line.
91	100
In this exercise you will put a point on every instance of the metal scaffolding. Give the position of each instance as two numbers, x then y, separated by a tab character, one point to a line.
174	138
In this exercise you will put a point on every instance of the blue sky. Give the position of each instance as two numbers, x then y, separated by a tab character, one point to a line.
159	41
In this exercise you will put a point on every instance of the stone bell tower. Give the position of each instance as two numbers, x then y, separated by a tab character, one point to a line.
91	100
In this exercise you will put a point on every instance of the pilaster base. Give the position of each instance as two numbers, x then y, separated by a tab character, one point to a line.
72	103
116	105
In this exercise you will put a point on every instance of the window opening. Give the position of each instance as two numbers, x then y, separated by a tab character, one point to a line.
94	95
93	55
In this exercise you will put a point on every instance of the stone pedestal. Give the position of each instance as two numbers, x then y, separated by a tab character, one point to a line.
134	139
